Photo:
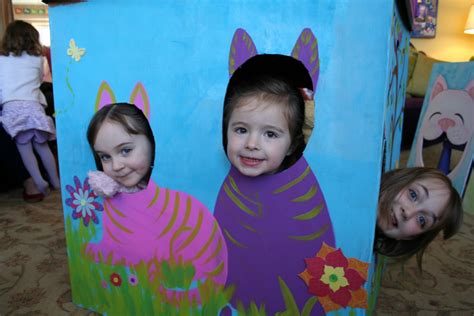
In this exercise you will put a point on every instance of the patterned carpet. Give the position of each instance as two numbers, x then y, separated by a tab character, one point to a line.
34	276
446	285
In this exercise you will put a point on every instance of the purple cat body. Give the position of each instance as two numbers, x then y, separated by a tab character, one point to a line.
271	224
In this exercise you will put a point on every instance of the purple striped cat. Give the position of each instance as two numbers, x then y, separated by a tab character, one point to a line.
271	223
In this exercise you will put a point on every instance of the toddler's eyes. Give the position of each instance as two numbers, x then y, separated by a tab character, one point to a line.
271	134
240	130
422	221
413	195
104	157
125	151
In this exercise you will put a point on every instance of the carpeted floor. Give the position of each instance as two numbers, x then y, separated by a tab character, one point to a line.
34	276
445	286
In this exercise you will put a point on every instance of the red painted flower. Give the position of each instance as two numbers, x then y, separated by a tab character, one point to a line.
115	279
336	280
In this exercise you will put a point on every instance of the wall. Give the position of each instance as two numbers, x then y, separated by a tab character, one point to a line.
450	43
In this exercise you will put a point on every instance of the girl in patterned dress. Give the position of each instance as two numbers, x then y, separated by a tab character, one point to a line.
23	114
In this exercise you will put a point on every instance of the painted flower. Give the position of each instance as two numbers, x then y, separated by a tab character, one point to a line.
83	201
132	279
75	52
115	279
335	280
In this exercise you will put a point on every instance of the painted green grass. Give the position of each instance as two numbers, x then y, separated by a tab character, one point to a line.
377	280
291	308
138	294
132	291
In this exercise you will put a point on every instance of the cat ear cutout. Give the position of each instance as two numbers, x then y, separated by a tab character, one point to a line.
306	51
301	69
139	97
241	49
470	89
105	96
439	86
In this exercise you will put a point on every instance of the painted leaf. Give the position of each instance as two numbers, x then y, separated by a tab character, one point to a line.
328	304
359	299
290	303
309	306
325	250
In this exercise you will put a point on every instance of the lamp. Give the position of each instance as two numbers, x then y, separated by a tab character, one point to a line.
469	29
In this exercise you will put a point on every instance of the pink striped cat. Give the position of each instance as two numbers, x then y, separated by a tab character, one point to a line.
158	223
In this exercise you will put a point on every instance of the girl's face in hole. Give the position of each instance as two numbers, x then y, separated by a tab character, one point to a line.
258	137
125	157
416	209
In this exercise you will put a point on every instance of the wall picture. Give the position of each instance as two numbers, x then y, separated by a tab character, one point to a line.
425	19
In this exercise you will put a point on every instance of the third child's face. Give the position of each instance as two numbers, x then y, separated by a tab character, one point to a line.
416	209
258	137
125	157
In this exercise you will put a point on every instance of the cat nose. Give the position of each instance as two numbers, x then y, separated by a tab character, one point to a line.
446	123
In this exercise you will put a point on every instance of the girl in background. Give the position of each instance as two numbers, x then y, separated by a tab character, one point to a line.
415	204
23	114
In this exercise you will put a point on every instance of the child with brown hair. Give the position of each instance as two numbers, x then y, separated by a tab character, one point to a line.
415	204
23	114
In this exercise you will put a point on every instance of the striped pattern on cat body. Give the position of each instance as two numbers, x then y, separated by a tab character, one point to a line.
159	223
272	223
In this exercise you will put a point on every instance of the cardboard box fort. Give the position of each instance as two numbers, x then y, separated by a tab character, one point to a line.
198	239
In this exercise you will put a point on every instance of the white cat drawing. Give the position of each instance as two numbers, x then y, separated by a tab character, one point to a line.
449	118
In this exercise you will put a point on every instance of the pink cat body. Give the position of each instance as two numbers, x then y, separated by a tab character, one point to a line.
163	224
157	224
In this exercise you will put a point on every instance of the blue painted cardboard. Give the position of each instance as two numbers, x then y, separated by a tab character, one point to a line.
179	52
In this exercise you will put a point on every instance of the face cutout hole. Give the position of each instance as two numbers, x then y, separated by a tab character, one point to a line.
261	83
123	144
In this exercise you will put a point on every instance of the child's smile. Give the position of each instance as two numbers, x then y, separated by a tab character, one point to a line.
251	162
125	157
258	137
416	209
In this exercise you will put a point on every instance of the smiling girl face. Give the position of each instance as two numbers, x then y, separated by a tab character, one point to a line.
125	157
416	209
258	137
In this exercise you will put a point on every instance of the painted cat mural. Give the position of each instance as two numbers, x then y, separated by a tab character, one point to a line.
271	223
449	119
159	224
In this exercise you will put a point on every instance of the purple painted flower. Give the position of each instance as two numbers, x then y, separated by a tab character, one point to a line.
132	279
83	201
